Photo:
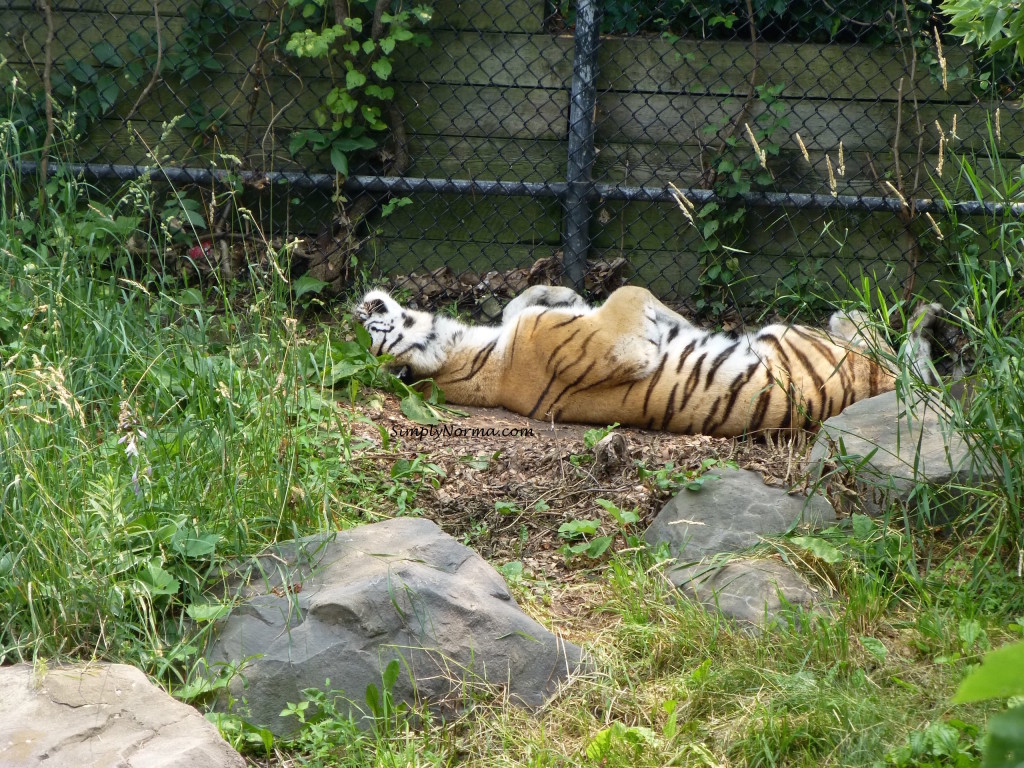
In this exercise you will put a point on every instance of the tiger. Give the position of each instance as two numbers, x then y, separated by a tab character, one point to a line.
635	362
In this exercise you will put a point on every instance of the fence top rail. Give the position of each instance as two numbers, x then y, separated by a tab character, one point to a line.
596	191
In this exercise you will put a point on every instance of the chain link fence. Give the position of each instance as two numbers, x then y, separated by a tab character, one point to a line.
729	155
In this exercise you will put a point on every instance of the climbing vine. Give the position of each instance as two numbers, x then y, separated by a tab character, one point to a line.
363	38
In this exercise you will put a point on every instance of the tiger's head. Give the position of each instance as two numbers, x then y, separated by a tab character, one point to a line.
416	340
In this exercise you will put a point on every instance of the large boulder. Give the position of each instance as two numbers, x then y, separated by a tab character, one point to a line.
341	606
892	445
101	715
731	512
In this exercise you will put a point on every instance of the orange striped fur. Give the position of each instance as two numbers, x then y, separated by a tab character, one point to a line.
634	361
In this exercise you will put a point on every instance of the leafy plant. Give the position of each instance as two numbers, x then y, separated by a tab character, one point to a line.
739	163
993	25
1000	676
581	534
670	479
940	744
592	437
352	115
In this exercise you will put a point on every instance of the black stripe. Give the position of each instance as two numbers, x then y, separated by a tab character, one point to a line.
685	354
625	395
734	392
654	382
808	366
391	346
691	381
572	384
479	361
543	394
756	423
564	323
582	354
573	335
717	363
670	409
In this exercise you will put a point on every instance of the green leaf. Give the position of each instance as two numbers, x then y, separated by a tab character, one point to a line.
1005	747
108	91
820	548
344	369
875	647
415	409
350	144
382	68
192	214
363	338
157	581
575	528
208	611
623	517
390	675
354	79
1000	676
512	570
373	700
298	140
307	284
190	297
191	544
339	160
863	526
599	546
107	55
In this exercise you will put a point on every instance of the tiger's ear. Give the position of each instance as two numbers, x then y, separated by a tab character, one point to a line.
375	307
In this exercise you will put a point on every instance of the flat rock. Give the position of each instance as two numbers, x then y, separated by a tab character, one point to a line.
731	513
101	715
891	446
341	606
757	593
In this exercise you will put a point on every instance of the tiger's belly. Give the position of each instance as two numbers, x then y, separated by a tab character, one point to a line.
672	409
756	400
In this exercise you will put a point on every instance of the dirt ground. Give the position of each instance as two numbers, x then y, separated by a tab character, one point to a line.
506	496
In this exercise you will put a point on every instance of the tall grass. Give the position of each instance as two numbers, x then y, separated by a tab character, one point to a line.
147	434
986	302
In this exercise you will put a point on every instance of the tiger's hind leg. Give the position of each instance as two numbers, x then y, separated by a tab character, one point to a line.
546	296
918	349
855	329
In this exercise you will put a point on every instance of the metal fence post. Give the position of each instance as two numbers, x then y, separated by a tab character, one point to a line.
582	107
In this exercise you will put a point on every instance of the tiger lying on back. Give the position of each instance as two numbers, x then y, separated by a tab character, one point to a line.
635	361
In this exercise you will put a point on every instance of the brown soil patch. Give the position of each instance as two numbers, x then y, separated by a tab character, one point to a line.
506	496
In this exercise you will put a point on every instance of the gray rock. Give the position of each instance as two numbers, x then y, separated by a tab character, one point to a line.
892	446
101	715
731	513
757	593
341	606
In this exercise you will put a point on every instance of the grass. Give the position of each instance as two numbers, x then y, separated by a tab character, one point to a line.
151	432
148	434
